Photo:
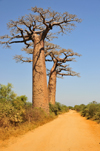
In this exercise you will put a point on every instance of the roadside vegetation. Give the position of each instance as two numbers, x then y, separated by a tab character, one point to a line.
17	116
90	111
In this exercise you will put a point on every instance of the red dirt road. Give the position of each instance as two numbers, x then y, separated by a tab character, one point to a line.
69	132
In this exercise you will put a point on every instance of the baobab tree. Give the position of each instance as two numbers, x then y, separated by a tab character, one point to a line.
36	28
48	48
59	68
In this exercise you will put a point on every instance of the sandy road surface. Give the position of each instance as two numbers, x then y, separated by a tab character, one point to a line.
69	132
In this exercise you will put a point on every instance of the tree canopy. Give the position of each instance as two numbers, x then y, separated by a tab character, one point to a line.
40	22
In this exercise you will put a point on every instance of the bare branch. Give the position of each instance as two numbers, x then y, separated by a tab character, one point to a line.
48	60
20	58
71	73
40	22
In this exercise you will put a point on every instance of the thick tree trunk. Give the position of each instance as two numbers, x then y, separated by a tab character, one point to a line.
52	86
40	93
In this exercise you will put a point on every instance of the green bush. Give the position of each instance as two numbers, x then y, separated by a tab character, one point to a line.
90	111
77	108
19	102
15	110
84	111
97	116
12	107
53	108
6	93
58	108
12	115
28	105
71	107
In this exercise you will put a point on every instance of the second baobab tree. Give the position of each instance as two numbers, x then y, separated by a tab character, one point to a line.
60	69
35	28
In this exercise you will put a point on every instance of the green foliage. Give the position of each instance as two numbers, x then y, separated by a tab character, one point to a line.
6	94
77	108
71	107
58	108
90	111
19	102
28	105
53	108
12	107
9	115
16	112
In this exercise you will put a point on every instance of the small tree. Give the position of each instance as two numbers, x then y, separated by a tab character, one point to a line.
6	93
35	28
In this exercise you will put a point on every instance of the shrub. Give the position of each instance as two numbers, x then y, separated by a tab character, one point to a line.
90	111
6	93
19	102
58	108
97	116
12	106
53	108
84	111
71	107
9	114
77	108
34	114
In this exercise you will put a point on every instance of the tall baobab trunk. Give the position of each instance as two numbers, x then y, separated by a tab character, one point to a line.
40	93
52	85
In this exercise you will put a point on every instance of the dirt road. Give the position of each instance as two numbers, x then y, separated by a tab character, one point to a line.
69	132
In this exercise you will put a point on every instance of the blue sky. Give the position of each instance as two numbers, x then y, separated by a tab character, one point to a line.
84	39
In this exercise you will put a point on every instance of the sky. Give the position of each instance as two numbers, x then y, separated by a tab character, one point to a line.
84	39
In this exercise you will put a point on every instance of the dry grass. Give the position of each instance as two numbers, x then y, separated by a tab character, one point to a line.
31	118
7	132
